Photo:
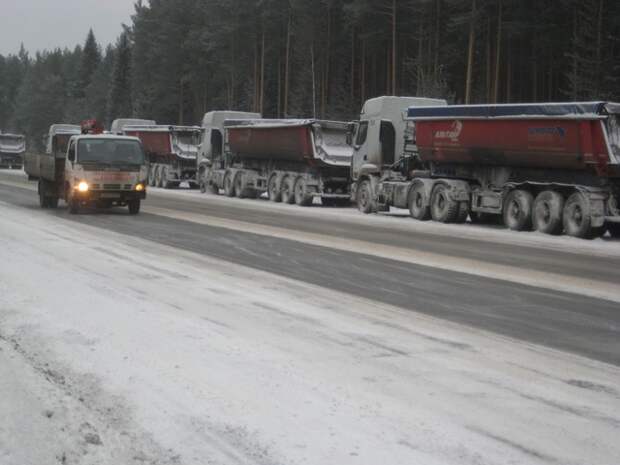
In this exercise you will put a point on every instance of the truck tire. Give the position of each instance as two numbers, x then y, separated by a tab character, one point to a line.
240	191
443	208
463	213
288	190
301	193
419	208
578	218
517	210
165	183
229	185
52	202
365	202
151	178
74	206
158	176
273	190
547	213
42	189
134	206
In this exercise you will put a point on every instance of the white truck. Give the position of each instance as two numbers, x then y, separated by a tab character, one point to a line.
95	170
12	149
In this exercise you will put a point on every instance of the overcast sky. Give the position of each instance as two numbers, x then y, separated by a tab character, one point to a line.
45	24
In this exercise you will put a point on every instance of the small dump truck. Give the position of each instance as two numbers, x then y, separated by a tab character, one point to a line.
12	149
95	169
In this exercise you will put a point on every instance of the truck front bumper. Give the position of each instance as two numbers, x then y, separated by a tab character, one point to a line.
109	196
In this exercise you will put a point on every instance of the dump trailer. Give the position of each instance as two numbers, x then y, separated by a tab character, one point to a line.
12	149
293	160
172	151
94	170
552	167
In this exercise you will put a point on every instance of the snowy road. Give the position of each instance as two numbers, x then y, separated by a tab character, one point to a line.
137	340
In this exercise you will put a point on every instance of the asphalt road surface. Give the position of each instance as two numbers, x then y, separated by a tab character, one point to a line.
570	321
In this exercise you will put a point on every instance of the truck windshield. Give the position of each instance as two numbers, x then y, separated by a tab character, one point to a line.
110	151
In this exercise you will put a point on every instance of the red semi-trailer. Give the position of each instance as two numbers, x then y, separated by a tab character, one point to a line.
171	150
553	167
292	160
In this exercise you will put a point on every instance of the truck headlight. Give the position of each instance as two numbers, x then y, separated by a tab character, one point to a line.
83	186
139	187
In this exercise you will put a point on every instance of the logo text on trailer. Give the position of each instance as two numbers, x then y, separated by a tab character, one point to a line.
453	133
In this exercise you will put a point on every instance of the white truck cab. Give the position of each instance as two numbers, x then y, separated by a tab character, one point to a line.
105	170
378	141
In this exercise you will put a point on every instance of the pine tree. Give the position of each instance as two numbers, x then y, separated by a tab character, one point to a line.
119	102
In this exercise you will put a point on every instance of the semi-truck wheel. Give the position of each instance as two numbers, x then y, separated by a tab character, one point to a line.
301	193
158	176
240	191
419	208
578	218
134	206
463	212
151	179
443	208
547	213
229	185
365	202
43	199
273	190
52	202
288	190
518	210
164	178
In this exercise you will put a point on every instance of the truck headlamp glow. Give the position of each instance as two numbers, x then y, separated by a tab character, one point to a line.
139	187
82	186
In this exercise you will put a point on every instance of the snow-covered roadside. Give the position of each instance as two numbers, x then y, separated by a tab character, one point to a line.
170	357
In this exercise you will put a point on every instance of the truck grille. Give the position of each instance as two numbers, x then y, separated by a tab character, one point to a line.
111	187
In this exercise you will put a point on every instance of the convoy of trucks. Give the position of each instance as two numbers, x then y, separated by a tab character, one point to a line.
293	160
87	168
552	167
172	151
12	149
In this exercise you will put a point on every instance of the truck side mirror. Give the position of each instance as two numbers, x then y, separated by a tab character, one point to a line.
71	155
349	137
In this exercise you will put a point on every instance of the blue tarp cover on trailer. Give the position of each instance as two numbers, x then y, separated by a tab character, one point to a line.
516	110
